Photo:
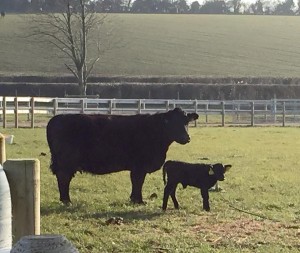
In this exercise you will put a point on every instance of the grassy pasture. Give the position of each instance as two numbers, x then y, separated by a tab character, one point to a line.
175	45
264	180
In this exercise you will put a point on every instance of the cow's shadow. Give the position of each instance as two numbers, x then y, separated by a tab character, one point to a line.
128	214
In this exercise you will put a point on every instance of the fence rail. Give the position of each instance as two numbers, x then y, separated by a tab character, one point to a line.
38	110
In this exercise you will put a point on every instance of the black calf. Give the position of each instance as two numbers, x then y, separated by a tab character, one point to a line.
202	176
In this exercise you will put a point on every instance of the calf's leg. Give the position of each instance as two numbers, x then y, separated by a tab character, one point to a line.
169	188
173	196
137	181
205	197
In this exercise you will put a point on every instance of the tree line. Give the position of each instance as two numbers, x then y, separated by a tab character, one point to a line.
260	7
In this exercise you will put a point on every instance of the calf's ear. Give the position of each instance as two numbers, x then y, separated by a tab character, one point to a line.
227	167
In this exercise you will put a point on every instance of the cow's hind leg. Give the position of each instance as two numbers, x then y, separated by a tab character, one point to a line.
63	180
137	181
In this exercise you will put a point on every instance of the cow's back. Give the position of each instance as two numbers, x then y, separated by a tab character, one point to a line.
102	144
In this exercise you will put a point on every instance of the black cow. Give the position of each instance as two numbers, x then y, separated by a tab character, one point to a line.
2	14
200	175
102	144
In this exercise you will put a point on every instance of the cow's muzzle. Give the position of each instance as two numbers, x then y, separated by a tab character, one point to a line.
186	139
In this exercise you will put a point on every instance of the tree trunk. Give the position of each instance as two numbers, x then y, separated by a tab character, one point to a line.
81	83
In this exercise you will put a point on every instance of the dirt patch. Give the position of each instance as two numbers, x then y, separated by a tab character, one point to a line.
250	233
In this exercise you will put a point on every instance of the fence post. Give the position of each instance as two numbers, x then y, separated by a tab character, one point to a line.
24	180
110	106
252	113
4	112
167	105
139	106
32	112
196	110
206	116
275	109
223	113
283	114
238	113
55	105
82	103
266	109
16	113
2	149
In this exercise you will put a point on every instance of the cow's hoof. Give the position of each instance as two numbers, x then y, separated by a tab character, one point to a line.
138	202
66	202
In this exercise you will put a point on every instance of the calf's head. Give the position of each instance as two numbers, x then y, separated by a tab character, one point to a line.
219	170
176	124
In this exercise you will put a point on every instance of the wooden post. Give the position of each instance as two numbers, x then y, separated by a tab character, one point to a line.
283	114
266	109
252	113
223	113
24	180
82	103
206	116
55	106
110	106
196	110
238	113
275	109
139	106
16	113
2	149
32	112
167	105
4	112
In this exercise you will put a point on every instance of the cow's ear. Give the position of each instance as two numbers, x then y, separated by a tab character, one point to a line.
227	167
192	116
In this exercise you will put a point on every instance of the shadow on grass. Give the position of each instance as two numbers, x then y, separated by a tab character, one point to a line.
127	211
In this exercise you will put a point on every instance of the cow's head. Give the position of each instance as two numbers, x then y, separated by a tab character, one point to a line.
176	122
219	170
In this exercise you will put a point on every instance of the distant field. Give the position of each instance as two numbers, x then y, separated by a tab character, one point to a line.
177	45
263	181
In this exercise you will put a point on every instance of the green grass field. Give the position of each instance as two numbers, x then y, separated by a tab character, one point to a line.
170	45
263	181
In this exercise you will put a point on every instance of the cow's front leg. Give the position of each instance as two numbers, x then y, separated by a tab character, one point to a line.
137	181
205	197
63	180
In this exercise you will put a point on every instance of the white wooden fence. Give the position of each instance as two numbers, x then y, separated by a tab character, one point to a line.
241	112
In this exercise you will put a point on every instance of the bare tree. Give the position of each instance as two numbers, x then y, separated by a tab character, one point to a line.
69	32
235	5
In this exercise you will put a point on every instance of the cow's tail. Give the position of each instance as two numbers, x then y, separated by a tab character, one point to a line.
164	171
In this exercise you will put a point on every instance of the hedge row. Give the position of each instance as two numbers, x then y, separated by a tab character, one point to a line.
156	91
